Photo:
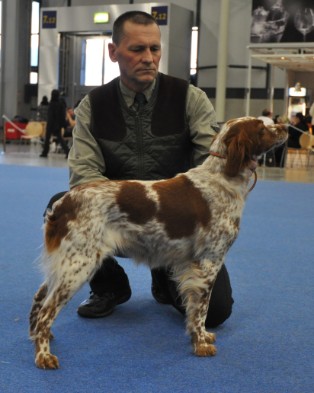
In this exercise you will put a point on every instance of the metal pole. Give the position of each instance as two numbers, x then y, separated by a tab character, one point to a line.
198	24
248	88
271	88
222	63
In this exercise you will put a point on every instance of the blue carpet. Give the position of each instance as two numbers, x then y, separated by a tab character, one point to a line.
265	347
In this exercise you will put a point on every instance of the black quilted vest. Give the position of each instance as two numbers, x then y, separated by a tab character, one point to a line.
151	144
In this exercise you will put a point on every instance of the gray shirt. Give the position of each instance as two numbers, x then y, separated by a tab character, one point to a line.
86	160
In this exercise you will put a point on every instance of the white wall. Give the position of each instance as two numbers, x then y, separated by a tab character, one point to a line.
239	27
189	4
175	39
239	35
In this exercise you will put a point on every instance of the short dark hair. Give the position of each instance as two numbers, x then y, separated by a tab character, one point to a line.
55	95
300	116
138	17
266	112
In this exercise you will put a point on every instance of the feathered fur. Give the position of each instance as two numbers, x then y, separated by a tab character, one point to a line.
187	223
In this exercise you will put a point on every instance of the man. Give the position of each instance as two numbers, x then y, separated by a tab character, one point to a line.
142	125
56	119
269	158
266	117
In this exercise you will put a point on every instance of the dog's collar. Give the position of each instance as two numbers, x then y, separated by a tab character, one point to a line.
215	154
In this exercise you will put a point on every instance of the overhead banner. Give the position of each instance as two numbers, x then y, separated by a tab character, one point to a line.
282	21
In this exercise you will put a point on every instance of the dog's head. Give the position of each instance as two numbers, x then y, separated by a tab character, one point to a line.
245	139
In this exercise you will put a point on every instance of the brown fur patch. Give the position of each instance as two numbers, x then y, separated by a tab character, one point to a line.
56	227
132	199
182	207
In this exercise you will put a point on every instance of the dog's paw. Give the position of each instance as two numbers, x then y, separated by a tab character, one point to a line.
210	338
204	349
47	361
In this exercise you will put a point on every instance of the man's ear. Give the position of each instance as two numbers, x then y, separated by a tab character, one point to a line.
112	52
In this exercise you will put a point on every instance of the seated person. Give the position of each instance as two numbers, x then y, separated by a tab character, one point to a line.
298	122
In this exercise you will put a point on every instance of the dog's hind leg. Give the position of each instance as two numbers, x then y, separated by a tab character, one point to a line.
54	302
195	287
56	299
62	284
38	302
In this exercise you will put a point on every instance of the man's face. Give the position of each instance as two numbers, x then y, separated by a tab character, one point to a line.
138	55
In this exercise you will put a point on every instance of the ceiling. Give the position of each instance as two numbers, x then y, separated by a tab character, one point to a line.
299	59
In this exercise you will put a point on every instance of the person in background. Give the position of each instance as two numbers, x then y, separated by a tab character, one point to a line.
56	120
70	121
311	114
298	122
280	151
267	159
42	110
142	125
266	117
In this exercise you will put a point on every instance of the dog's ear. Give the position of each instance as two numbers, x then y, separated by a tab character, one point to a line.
238	150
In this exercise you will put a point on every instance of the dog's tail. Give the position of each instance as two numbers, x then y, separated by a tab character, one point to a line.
57	221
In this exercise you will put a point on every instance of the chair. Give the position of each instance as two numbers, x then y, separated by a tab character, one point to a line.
12	130
33	132
307	143
305	151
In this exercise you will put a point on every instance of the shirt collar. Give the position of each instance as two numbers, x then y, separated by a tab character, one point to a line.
129	95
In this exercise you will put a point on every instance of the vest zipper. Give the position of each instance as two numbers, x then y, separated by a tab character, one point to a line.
139	140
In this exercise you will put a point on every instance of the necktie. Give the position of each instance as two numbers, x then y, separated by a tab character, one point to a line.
139	101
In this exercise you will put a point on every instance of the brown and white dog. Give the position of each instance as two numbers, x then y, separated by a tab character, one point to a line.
187	223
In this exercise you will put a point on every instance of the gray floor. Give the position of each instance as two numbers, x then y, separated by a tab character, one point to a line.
22	154
17	154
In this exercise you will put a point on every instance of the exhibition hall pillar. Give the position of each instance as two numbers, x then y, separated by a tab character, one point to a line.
222	61
15	55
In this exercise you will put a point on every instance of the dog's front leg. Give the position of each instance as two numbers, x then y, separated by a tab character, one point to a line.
195	286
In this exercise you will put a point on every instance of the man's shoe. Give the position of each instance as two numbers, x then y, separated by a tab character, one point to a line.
159	295
164	289
160	290
101	306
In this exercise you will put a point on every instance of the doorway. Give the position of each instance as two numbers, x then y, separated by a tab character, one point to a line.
84	64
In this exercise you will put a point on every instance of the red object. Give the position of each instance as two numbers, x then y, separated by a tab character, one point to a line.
12	132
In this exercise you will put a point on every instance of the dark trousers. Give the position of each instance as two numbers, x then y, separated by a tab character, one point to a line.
110	277
59	140
221	301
